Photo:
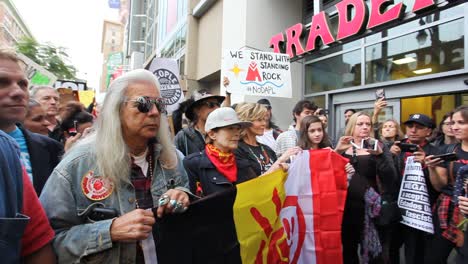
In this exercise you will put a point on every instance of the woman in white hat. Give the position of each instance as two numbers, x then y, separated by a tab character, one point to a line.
216	168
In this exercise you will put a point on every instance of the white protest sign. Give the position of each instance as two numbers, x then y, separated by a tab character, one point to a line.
259	73
167	72
413	199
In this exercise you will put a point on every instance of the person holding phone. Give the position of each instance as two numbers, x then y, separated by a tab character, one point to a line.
75	120
444	173
379	104
418	129
375	173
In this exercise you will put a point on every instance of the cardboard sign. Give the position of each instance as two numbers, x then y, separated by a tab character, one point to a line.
257	73
413	199
167	72
36	74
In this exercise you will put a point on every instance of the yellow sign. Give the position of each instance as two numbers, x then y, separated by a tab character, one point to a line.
86	97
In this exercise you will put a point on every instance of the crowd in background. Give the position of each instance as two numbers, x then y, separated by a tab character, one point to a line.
119	156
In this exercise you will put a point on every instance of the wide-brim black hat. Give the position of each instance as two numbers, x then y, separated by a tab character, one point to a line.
199	98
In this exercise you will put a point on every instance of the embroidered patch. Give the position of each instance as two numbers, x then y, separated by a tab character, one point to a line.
96	188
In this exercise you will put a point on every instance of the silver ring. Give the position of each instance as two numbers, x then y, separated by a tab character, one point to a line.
173	203
163	201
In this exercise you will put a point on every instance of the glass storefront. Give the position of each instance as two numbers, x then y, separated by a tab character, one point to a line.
434	44
433	50
429	48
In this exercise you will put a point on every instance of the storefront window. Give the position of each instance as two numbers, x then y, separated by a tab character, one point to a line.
433	50
337	72
317	100
406	27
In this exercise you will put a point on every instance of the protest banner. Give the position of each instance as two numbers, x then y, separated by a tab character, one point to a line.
259	73
74	85
167	72
413	198
86	97
36	74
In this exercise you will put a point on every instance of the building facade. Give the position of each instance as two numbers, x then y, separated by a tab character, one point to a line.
418	57
112	51
12	26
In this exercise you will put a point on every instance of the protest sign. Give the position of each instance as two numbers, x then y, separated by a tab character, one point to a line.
74	85
36	74
167	72
259	73
86	97
413	199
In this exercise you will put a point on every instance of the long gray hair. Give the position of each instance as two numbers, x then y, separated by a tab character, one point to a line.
110	150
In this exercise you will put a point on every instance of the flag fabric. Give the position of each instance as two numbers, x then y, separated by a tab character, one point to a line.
316	191
273	219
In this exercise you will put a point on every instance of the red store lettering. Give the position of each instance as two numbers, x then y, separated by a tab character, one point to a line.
381	13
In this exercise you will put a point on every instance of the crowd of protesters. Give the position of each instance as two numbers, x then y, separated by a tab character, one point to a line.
97	179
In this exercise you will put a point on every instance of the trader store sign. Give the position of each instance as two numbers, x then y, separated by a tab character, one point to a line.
381	12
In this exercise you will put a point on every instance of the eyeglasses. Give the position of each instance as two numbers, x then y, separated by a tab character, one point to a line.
144	104
211	104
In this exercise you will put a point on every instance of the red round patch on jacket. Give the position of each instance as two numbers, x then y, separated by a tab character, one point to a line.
96	188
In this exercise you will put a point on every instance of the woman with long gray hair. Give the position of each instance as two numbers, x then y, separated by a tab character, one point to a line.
95	198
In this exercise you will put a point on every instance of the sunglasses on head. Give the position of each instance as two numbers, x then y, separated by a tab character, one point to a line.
267	106
144	104
211	104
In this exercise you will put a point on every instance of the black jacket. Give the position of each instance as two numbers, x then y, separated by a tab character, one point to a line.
189	140
44	155
429	149
200	169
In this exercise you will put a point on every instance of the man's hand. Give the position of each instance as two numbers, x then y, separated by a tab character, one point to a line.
420	156
173	201
431	162
132	226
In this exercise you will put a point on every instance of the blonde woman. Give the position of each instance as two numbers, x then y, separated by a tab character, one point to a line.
375	173
260	156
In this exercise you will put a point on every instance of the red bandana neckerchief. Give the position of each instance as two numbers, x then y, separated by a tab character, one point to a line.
224	162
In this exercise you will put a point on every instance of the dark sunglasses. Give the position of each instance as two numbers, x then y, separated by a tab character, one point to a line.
211	104
144	104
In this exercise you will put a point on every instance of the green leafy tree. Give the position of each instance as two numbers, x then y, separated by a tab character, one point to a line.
52	58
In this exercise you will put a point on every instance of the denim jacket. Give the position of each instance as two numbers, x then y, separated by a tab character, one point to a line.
12	222
80	240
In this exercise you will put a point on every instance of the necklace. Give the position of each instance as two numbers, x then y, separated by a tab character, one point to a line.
149	159
259	160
